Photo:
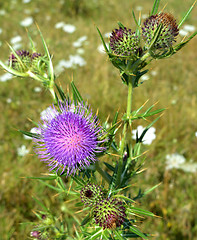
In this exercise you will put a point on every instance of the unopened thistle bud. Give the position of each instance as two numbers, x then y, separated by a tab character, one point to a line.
22	63
39	63
125	43
91	194
35	234
109	213
168	33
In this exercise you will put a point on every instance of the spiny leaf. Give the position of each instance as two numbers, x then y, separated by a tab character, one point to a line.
155	7
186	15
76	95
106	49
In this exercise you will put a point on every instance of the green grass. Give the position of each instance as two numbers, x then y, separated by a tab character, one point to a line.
174	87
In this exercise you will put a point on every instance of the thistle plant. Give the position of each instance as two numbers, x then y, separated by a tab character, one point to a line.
73	142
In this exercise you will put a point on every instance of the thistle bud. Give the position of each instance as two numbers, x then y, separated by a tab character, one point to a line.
169	30
35	234
109	213
91	194
22	63
125	43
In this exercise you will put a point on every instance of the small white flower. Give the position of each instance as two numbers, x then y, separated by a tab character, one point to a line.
27	22
17	46
101	49
26	1
37	89
48	113
5	77
59	25
80	51
144	77
153	73
189	167
69	28
77	60
107	35
16	39
33	130
144	16
174	160
77	44
22	151
9	100
195	134
1	30
189	28
183	32
2	12
149	136
79	41
139	8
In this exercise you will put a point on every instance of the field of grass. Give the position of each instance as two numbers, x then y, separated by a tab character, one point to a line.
172	82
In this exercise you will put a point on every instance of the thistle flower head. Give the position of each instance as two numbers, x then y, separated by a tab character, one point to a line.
91	194
168	33
109	213
69	139
23	63
35	234
39	62
124	42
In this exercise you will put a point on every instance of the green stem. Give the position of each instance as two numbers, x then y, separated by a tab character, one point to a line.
124	133
101	172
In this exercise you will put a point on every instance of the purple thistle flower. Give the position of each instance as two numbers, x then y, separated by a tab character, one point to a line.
70	138
110	213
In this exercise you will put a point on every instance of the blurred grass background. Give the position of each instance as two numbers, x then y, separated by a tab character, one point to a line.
174	86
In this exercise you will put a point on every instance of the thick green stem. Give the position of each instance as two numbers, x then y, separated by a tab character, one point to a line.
124	133
101	172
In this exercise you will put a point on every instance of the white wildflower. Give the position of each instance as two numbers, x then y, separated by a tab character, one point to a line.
189	28
59	25
22	151
27	22
33	130
145	77
16	39
26	1
37	89
183	32
69	28
139	8
189	167
48	113
80	51
101	49
174	160
149	136
5	77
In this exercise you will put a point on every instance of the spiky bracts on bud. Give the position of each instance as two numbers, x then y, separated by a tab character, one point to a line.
69	139
109	213
124	42
20	61
23	61
168	33
39	63
91	194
